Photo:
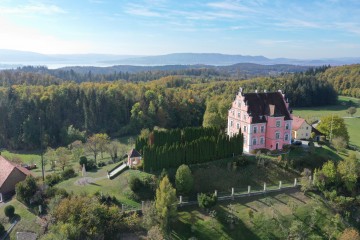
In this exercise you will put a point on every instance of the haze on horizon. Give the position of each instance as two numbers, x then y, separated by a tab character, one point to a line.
272	28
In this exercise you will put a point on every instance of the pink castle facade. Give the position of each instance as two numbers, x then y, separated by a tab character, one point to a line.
263	118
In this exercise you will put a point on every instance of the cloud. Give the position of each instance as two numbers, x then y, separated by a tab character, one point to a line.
231	6
32	8
13	36
139	10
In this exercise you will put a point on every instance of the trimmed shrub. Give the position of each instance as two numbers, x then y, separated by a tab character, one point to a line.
52	179
83	160
91	165
135	184
101	164
9	211
207	201
68	173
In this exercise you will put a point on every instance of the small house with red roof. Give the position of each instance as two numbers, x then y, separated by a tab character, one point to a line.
300	128
10	175
264	118
134	158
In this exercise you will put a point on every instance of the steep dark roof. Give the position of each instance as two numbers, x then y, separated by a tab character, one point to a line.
133	153
259	106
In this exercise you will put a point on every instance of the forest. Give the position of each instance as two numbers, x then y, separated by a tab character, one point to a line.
39	104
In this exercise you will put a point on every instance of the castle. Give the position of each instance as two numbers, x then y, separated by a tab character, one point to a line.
264	119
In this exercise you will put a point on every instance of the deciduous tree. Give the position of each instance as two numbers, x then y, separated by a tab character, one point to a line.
333	126
184	180
166	203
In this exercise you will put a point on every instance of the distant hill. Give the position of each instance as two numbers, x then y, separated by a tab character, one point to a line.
214	59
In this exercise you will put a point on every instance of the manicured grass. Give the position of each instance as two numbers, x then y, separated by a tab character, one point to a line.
117	187
353	126
315	113
194	222
28	221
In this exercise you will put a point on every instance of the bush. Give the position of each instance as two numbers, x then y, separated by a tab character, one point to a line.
135	184
52	179
68	173
91	165
2	229
53	191
9	211
101	164
83	160
207	201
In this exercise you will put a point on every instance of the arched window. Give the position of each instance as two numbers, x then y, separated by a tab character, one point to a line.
254	141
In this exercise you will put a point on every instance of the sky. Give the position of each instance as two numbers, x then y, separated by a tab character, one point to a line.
273	28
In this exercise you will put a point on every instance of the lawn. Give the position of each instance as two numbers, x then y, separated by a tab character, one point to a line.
315	113
194	222
28	221
117	187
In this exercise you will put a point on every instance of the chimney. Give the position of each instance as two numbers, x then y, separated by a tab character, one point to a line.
272	109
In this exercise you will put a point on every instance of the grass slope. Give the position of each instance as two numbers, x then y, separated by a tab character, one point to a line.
28	221
194	222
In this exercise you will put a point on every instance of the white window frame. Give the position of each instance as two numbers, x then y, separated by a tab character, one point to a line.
277	135
262	140
262	129
287	126
237	125
239	114
278	123
244	128
255	129
286	137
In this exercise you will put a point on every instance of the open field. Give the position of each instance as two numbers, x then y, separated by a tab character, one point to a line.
28	221
267	209
315	113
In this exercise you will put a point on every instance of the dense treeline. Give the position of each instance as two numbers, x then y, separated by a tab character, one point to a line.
119	108
187	146
345	79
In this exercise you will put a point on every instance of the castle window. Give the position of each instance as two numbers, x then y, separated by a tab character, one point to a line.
244	128
231	123
287	126
237	126
254	141
286	137
255	129
262	129
262	140
278	123
239	114
277	135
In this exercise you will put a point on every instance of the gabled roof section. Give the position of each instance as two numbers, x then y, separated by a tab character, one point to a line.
133	153
266	104
6	168
297	122
317	132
